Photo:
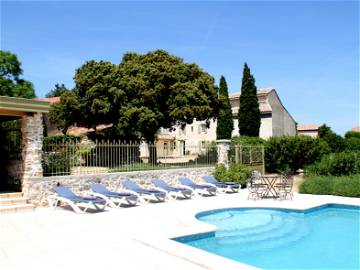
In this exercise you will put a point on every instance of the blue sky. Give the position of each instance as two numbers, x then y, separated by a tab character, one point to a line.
308	51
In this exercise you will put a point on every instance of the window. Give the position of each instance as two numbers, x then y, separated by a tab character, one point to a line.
166	148
182	131
173	145
203	144
192	129
202	129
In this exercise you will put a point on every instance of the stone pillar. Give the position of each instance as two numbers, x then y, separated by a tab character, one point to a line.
32	139
223	148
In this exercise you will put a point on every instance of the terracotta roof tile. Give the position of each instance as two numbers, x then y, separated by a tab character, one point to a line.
356	128
77	131
51	100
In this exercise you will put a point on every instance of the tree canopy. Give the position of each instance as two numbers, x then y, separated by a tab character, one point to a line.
57	91
225	123
336	142
249	112
10	82
142	94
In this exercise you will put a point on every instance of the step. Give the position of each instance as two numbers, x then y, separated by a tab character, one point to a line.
13	201
300	233
275	223
7	209
288	228
11	195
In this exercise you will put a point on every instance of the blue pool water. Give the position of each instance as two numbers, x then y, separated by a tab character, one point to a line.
325	237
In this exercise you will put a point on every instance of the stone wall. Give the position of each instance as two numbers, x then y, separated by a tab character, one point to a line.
32	137
38	188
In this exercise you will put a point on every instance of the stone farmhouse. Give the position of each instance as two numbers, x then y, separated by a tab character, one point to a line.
275	121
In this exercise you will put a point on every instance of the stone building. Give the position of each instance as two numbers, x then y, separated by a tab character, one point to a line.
275	121
311	130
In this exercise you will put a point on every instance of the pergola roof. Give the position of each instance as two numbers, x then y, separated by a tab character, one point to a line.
13	106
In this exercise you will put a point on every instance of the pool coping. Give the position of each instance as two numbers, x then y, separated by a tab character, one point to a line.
213	261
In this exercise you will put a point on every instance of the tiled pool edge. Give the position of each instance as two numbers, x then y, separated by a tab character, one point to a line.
186	238
213	261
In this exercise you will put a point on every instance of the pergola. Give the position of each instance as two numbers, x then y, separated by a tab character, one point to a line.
12	107
30	112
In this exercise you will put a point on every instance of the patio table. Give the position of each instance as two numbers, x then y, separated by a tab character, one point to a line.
270	186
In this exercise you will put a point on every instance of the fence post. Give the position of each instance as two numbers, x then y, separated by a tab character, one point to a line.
223	147
263	159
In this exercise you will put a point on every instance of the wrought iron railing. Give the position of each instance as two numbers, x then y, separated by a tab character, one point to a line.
87	157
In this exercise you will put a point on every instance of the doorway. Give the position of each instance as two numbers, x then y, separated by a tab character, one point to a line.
10	154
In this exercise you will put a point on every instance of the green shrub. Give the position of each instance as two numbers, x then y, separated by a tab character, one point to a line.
292	152
352	134
59	154
343	163
352	144
348	186
246	140
238	173
57	139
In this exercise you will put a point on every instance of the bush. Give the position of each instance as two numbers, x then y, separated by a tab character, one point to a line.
59	153
348	186
344	163
352	134
335	142
57	139
246	140
352	144
292	152
238	173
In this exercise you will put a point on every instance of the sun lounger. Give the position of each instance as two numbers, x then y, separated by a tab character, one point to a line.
114	199
175	192
198	189
65	195
222	186
145	194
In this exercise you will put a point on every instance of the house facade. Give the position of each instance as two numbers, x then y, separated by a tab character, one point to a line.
275	121
311	130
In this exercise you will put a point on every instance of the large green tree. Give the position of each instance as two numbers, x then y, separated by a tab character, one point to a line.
249	112
225	123
10	82
142	94
336	142
163	91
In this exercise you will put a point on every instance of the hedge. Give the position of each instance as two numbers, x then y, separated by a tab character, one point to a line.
290	153
348	186
337	164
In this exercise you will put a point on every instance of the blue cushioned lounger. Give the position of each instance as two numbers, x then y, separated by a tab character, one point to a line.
65	195
175	192
199	189
115	199
224	186
146	194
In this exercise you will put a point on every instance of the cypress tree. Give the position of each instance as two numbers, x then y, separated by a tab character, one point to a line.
225	123
249	112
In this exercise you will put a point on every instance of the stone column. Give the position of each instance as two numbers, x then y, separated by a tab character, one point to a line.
32	139
223	148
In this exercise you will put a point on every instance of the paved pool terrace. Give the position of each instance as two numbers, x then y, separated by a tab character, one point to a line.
127	238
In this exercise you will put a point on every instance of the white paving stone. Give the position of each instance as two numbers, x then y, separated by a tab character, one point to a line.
128	238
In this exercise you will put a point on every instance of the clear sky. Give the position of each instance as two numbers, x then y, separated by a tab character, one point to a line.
308	51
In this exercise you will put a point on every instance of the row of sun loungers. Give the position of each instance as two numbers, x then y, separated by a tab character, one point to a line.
99	196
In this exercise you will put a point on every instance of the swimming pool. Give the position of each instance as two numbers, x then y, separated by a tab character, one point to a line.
325	237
